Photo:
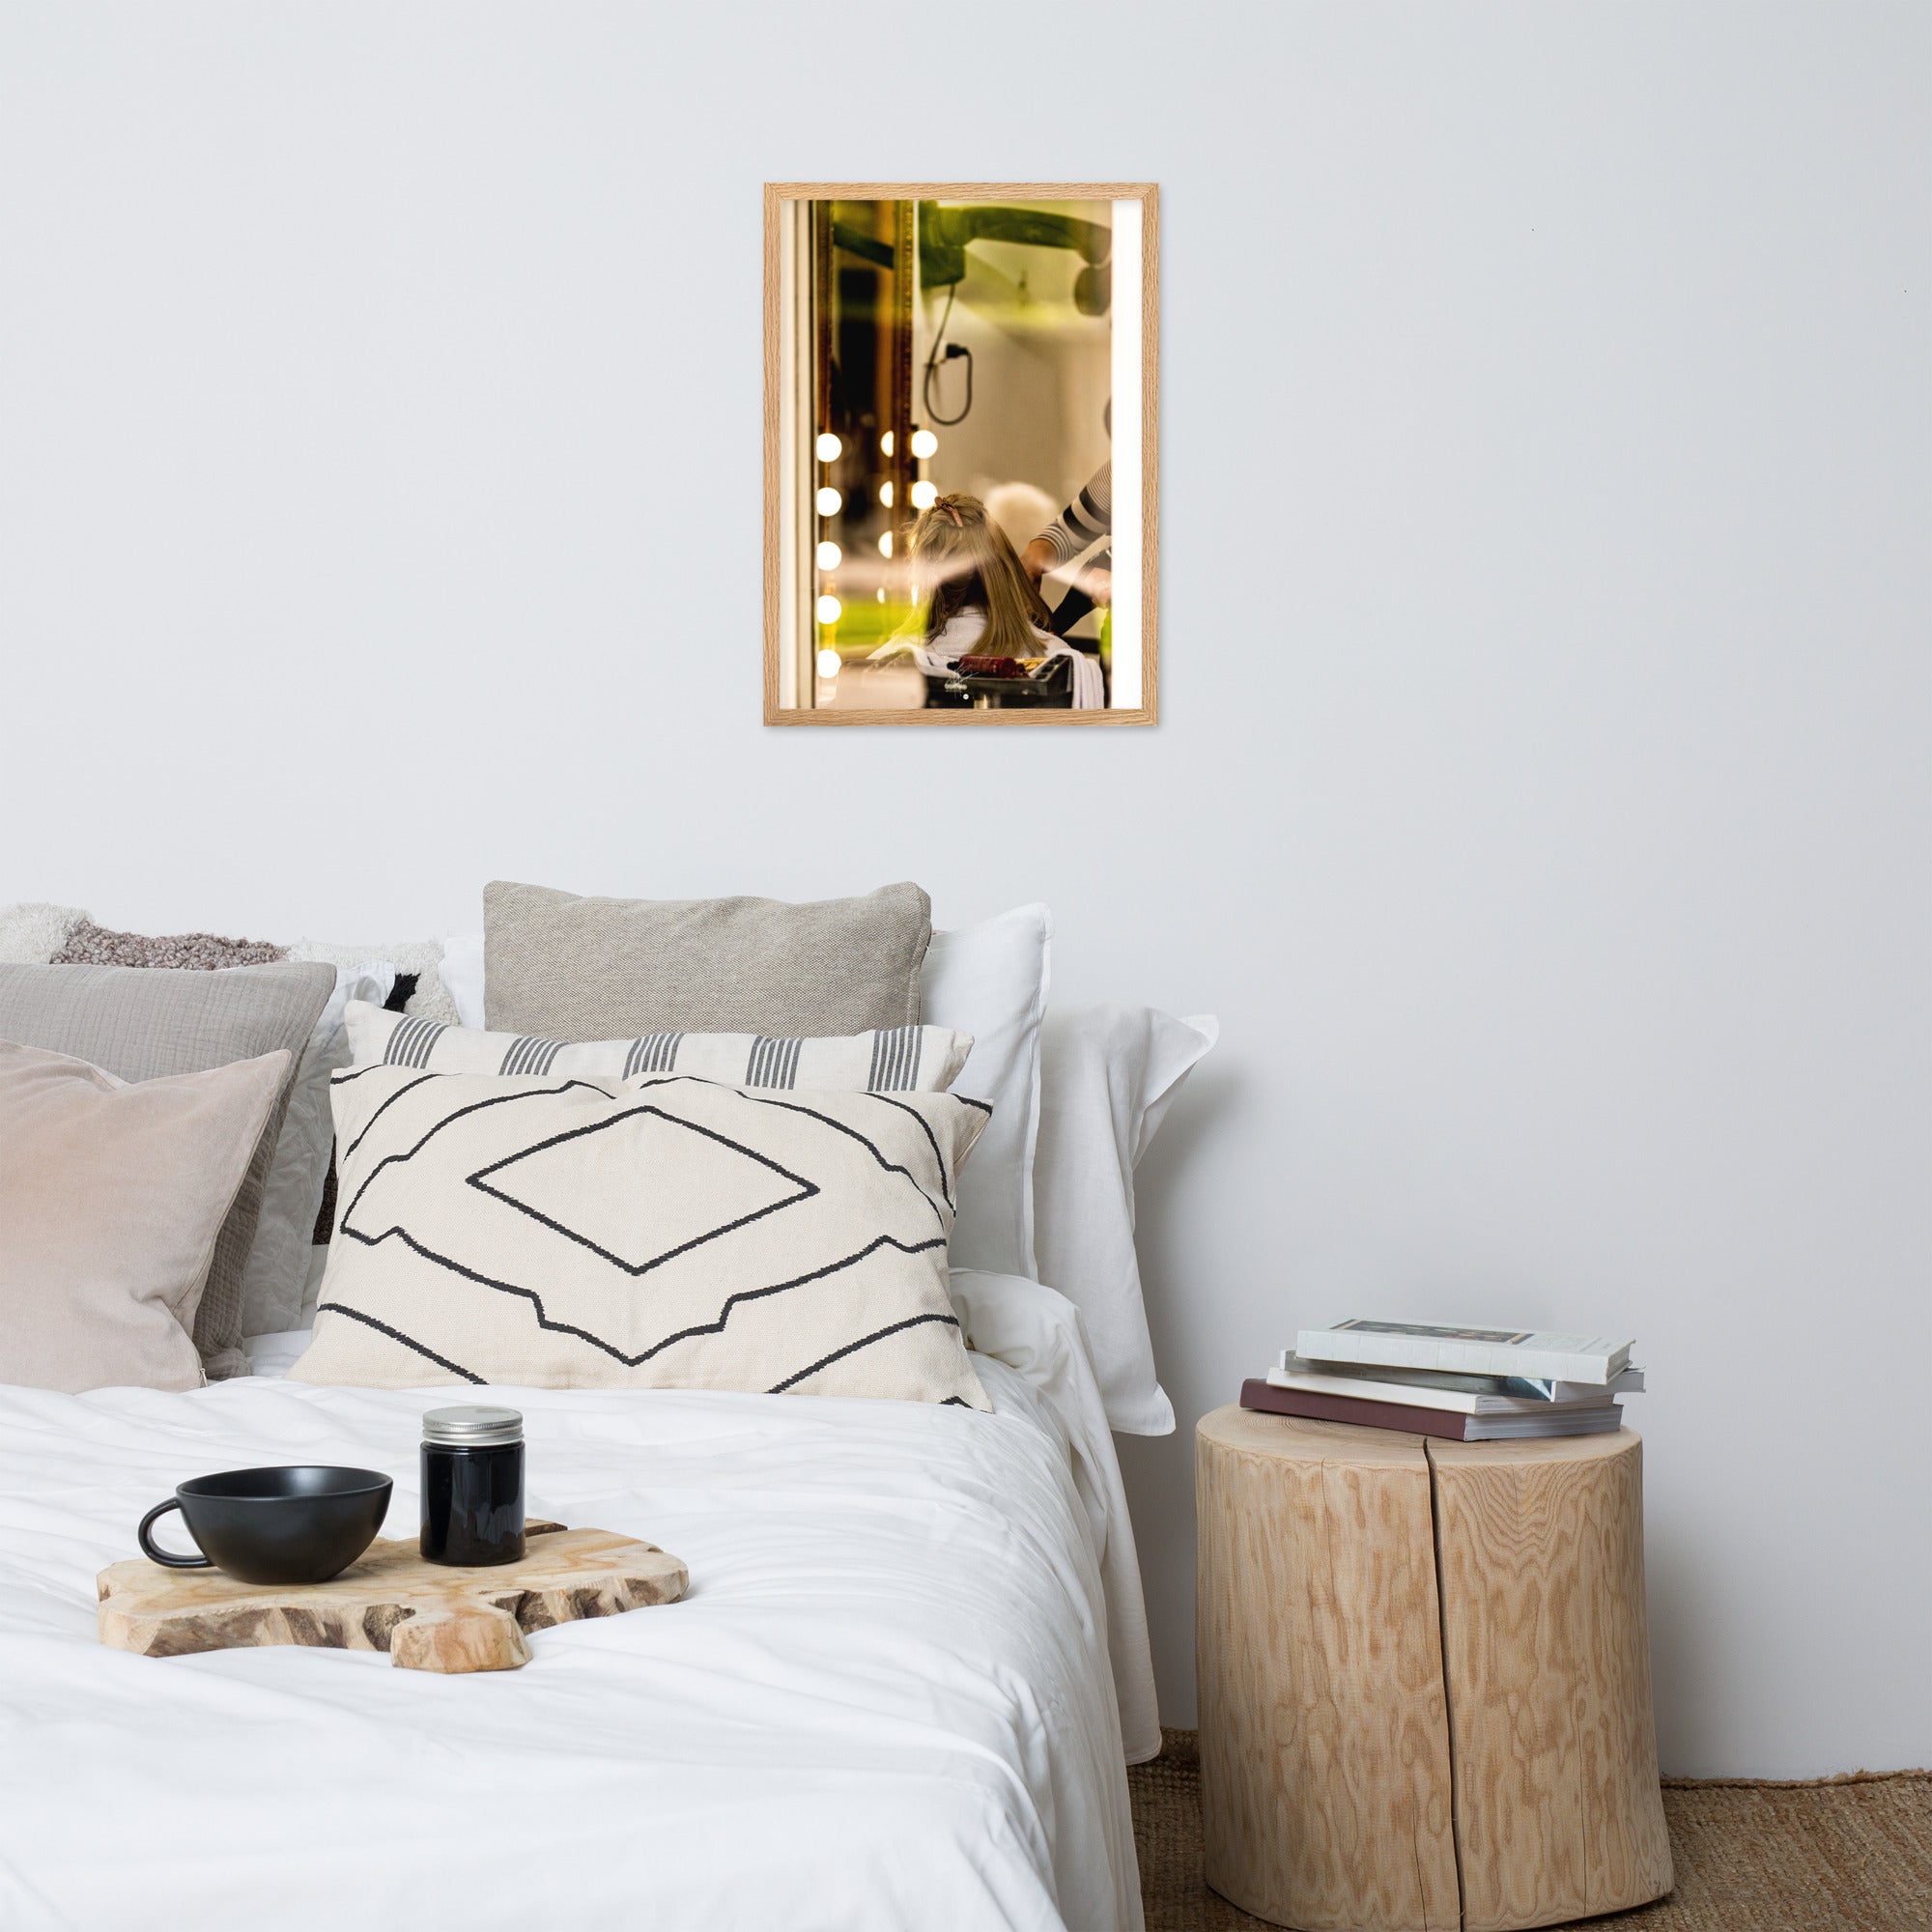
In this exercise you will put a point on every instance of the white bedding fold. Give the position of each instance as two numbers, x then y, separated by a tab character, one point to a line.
1042	1334
1038	1331
885	1702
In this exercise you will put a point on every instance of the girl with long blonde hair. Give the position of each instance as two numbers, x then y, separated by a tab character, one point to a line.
979	600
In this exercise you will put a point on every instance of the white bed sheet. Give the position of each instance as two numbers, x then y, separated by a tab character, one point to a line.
886	1702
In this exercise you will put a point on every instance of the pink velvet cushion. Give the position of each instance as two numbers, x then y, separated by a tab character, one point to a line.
112	1196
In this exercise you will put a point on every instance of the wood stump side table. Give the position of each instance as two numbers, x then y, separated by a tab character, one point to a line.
1425	1677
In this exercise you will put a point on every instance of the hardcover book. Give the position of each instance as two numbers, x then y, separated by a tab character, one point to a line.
1465	1351
1458	1395
1591	1419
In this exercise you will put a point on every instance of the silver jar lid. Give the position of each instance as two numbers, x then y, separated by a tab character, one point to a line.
473	1428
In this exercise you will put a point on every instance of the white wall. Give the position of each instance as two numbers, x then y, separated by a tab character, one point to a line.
1542	795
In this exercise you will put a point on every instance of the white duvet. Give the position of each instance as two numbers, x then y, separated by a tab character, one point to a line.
887	1702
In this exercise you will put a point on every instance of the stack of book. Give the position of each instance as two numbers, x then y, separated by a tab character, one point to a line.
1469	1384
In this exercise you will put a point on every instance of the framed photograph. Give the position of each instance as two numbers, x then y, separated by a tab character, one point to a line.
960	452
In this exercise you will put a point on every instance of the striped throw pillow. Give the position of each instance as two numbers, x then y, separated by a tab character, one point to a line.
895	1060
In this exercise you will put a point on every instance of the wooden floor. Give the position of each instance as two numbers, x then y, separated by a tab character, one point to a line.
1846	1855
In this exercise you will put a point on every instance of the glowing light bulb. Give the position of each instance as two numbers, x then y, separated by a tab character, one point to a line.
886	544
829	608
924	494
829	555
882	593
885	494
830	501
829	664
923	444
886	443
828	447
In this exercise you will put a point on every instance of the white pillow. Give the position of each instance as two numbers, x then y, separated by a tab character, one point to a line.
1109	1075
421	956
32	933
990	981
461	972
278	1265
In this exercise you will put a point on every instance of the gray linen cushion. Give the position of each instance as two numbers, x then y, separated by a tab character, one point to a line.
572	969
141	1025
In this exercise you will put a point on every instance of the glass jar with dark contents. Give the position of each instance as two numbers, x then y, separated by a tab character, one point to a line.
472	1486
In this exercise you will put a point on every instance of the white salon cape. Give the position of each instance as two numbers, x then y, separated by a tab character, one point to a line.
961	639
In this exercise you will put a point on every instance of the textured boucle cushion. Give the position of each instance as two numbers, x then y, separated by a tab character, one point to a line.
655	1232
574	969
112	1194
140	1025
91	944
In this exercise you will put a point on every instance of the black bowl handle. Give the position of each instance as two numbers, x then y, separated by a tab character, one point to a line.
154	1552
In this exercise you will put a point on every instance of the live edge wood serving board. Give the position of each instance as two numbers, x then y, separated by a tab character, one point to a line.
426	1616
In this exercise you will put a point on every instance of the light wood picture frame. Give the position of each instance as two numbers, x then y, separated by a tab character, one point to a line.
885	515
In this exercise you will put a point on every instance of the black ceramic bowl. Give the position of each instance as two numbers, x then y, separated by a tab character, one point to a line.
301	1525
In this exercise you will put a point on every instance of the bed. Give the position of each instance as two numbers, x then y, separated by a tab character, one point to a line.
901	1691
911	1665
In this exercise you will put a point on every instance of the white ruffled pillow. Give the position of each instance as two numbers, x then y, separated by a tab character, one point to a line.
1110	1073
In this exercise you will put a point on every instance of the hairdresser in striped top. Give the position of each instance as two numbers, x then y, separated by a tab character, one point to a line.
1085	521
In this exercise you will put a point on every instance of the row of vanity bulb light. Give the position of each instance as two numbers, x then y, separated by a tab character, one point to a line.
924	494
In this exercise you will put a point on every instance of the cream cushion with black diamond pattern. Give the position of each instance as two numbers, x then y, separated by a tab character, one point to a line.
661	1232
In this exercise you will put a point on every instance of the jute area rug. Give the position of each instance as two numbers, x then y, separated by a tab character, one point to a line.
1848	1854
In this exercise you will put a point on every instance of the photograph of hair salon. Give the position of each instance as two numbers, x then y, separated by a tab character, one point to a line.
958	497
